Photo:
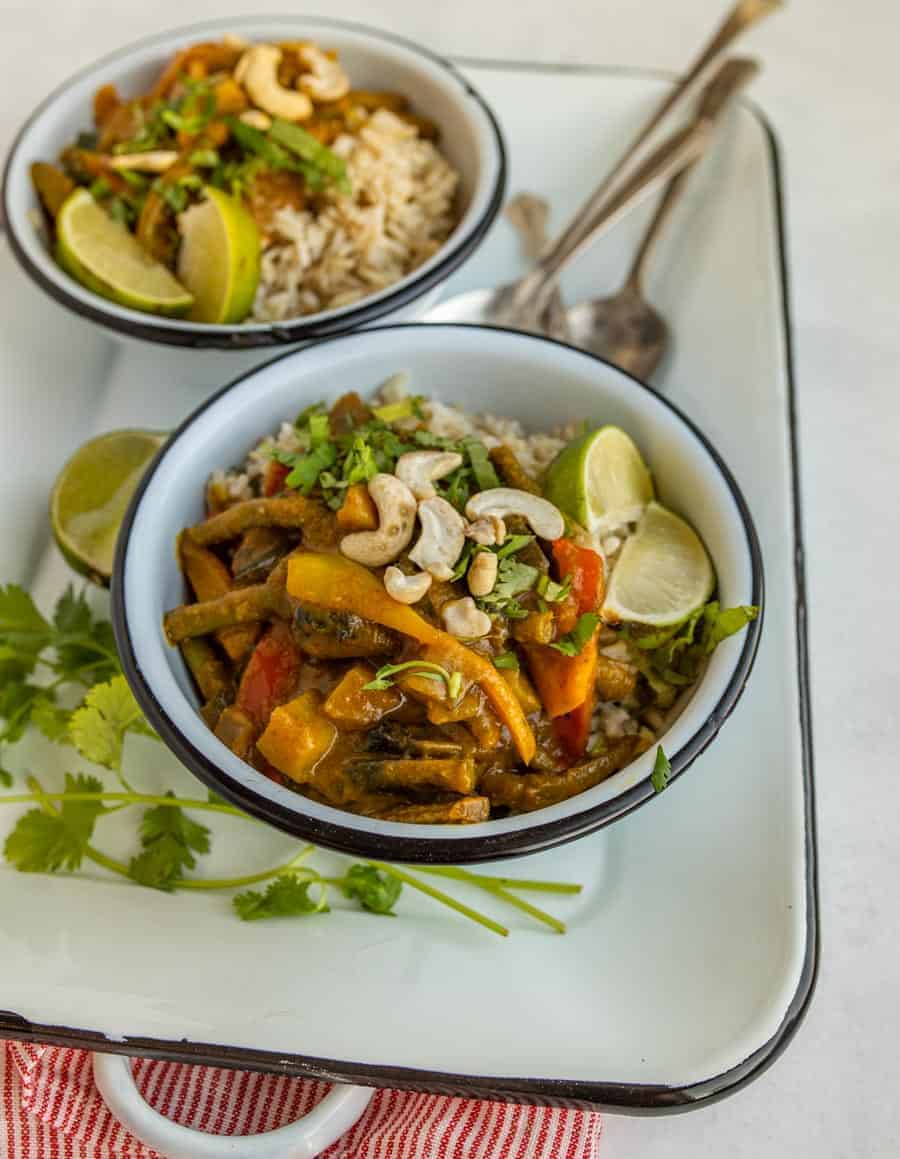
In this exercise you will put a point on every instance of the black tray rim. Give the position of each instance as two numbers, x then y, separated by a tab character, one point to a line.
600	1095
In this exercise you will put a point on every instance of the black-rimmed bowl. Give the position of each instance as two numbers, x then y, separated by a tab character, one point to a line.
470	139
540	382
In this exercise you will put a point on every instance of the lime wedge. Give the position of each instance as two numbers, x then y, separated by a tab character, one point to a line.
92	493
663	573
102	255
600	480
219	258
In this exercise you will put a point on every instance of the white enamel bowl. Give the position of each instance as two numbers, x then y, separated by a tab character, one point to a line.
539	381
470	138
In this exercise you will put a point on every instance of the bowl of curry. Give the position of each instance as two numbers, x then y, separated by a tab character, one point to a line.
354	598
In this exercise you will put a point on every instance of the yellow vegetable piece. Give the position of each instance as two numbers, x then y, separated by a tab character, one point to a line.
297	737
339	584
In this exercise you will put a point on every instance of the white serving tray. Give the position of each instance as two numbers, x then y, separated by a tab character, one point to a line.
691	954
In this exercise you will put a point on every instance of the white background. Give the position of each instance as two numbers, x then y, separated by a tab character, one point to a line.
832	89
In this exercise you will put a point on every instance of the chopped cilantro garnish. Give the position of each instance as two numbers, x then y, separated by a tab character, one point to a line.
553	592
572	643
482	467
662	770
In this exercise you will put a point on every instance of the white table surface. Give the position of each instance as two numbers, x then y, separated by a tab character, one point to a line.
832	89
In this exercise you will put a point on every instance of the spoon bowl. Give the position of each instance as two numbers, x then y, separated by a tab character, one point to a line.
623	329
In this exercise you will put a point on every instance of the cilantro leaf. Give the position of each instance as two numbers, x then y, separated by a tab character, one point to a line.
17	702
85	646
52	720
513	544
482	467
514	578
374	889
307	465
552	591
720	624
43	842
98	728
360	465
676	656
662	770
170	839
287	896
572	643
23	630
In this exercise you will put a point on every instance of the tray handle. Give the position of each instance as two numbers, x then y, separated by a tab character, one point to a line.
305	1138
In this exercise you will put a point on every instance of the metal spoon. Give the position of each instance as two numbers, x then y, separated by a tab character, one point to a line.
625	329
522	303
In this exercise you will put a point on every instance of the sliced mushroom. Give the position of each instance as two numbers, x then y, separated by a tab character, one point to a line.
154	161
442	540
482	574
406	589
326	80
543	518
396	507
257	71
419	469
463	619
489	532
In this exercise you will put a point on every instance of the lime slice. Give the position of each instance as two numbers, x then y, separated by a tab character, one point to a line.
91	494
102	255
663	573
219	258
600	480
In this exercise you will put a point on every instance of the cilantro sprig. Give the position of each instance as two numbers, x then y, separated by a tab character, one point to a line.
384	677
676	655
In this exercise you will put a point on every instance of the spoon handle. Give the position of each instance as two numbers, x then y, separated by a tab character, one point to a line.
732	77
744	14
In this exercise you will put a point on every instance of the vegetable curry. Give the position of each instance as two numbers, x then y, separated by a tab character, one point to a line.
399	624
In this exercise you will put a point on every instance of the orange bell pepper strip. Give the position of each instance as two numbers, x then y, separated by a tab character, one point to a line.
563	682
567	684
339	584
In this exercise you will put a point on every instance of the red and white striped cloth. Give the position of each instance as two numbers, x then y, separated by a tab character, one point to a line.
52	1110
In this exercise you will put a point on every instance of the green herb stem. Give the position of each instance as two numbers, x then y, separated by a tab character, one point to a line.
250	878
489	882
126	799
443	898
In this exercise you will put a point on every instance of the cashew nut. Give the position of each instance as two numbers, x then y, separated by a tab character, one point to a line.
256	119
482	573
396	506
154	161
406	589
257	71
543	518
489	531
419	469
442	540
463	619
326	80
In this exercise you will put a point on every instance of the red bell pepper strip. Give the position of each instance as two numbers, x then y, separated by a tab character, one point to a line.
270	677
573	729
